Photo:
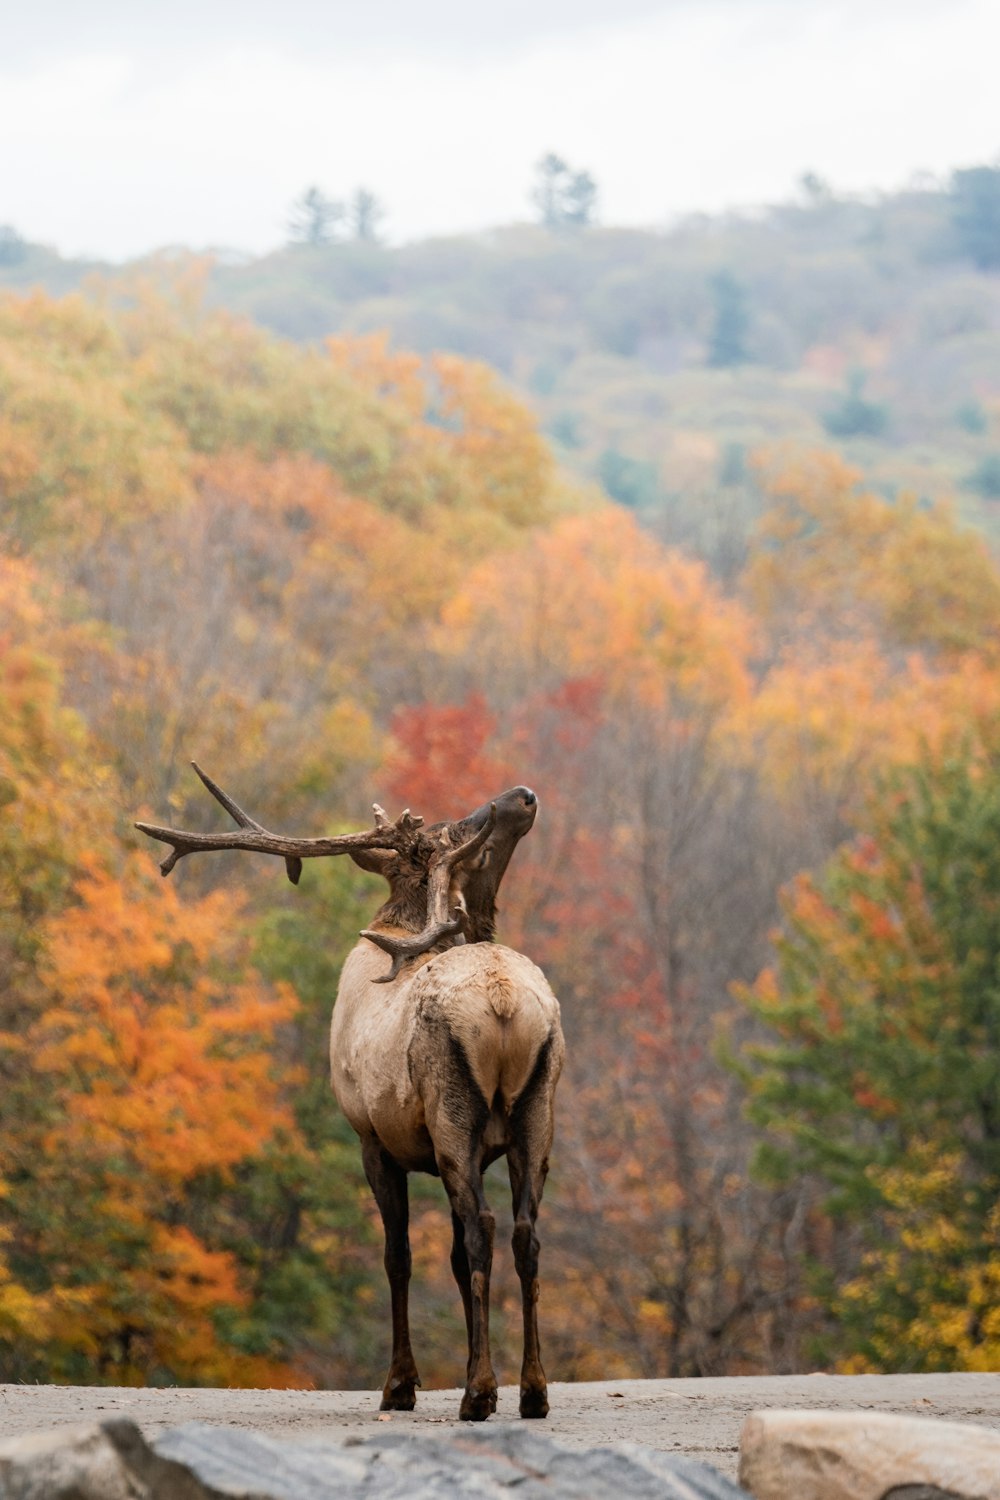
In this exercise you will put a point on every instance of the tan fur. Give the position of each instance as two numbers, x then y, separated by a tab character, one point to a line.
500	991
492	1000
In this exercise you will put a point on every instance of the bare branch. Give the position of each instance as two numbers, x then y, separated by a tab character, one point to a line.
398	836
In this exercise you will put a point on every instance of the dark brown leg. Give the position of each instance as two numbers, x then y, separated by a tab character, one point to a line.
527	1161
526	1187
464	1186
463	1276
388	1182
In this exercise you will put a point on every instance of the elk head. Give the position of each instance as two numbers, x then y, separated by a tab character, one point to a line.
483	872
452	889
443	880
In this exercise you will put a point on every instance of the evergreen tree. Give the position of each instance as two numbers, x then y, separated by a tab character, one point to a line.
12	247
975	214
314	218
580	199
727	340
551	173
630	481
564	198
854	415
365	213
883	1081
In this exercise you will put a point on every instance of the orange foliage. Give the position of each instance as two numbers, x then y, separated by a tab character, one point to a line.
154	1057
596	596
171	1053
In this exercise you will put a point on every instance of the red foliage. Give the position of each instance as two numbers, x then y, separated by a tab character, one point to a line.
444	764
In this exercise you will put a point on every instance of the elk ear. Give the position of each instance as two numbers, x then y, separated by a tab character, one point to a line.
376	861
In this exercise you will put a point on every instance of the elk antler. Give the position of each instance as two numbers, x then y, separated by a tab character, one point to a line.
444	917
385	835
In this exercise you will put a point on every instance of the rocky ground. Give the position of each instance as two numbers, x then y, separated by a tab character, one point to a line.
699	1418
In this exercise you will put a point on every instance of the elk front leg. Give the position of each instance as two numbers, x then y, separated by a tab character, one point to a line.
471	1212
388	1182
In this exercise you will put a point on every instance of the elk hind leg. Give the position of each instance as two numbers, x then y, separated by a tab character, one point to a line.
463	1277
458	1124
528	1164
388	1183
464	1185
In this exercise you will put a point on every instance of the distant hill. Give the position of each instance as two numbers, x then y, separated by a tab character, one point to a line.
659	363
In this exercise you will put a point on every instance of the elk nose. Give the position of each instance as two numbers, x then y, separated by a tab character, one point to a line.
528	797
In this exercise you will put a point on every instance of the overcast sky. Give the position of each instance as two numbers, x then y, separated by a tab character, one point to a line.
129	126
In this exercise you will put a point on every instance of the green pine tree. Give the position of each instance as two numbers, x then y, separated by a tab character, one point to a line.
880	1077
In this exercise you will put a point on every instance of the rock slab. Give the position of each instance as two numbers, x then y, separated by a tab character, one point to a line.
113	1461
827	1455
99	1461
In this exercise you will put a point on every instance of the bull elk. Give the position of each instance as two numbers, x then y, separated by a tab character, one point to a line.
442	1064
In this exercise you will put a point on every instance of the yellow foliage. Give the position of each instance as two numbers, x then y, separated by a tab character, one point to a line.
76	451
831	553
824	720
953	1320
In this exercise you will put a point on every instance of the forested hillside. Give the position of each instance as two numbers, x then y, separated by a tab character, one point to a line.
346	572
659	363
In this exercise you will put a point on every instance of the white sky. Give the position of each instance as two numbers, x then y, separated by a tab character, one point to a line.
131	125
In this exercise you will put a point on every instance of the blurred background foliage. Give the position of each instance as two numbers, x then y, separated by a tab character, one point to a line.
693	532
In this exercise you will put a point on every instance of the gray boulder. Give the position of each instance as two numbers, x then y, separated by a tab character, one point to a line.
475	1462
105	1461
113	1461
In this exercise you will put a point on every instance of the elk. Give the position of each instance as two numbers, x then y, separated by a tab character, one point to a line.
442	1064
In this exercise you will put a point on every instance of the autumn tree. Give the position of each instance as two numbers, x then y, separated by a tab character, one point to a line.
152	1055
49	819
880	1079
615	668
845	561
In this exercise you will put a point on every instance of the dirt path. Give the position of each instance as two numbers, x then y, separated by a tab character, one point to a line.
701	1418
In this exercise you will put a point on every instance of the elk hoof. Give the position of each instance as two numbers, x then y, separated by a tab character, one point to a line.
534	1402
401	1396
477	1406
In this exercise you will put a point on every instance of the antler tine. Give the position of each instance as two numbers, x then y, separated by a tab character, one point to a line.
406	820
441	922
258	840
232	808
401	949
293	865
458	856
